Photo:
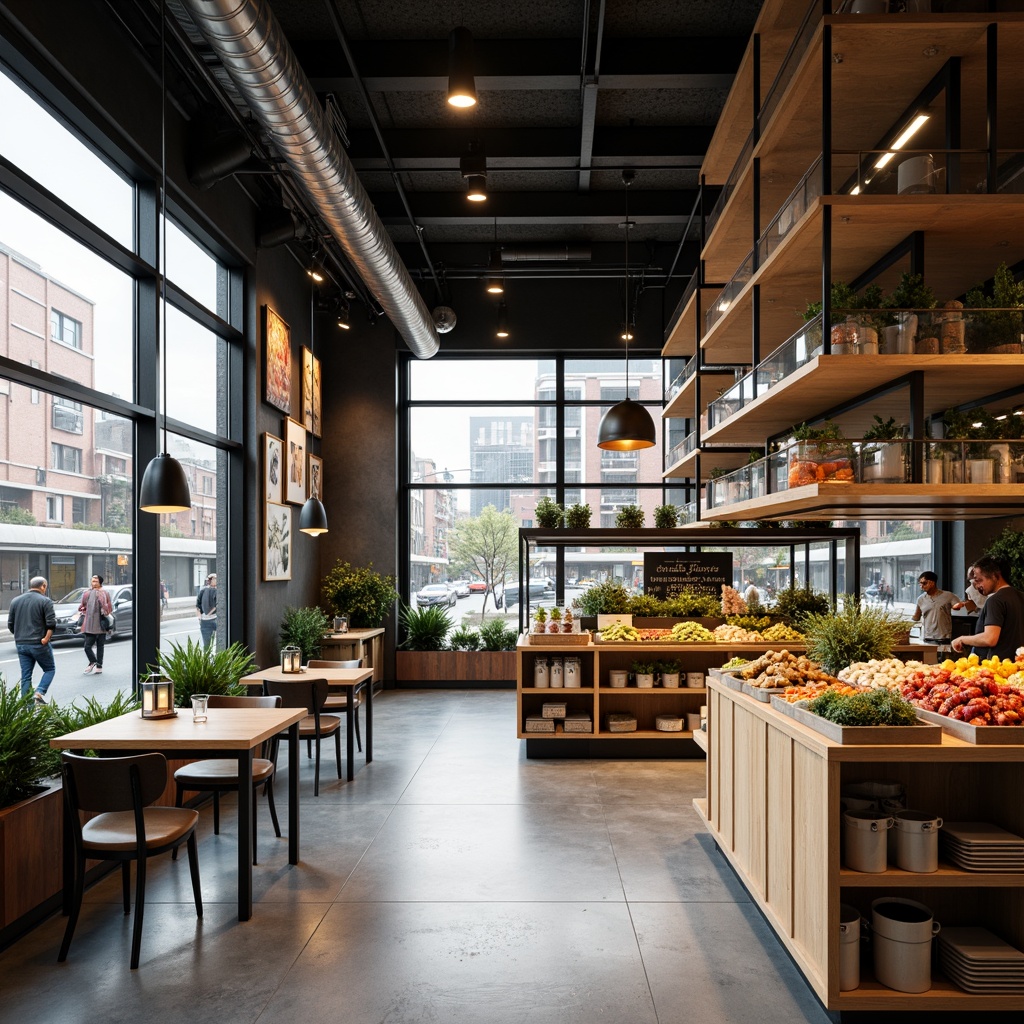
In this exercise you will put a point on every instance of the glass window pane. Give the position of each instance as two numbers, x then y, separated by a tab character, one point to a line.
32	139
195	372
479	379
194	270
68	310
192	546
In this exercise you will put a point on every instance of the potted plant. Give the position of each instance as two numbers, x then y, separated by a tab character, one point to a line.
969	437
849	633
196	668
577	517
995	323
359	592
549	514
304	628
630	517
884	463
666	517
540	619
555	621
644	672
669	672
907	301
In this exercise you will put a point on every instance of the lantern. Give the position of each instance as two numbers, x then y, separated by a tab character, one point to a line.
291	659
157	694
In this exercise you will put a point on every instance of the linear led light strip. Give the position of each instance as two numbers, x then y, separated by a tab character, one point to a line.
900	142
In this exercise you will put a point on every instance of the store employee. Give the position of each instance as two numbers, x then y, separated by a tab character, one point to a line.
934	606
1001	622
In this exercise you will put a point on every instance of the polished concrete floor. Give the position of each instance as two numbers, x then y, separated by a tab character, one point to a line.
452	881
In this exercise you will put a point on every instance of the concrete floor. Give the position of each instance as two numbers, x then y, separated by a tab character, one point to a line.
453	881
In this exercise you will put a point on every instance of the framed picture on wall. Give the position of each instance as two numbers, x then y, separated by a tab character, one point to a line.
311	392
277	542
273	467
277	361
294	462
316	478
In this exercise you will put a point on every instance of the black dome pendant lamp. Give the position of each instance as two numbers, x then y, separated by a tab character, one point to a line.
164	487
627	426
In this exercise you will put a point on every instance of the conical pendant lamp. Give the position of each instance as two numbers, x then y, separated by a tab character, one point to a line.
313	517
164	487
627	426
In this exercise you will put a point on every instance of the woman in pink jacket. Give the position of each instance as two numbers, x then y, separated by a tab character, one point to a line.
94	607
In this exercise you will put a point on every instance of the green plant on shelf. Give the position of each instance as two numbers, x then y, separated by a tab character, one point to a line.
995	323
666	517
630	517
577	517
549	514
643	668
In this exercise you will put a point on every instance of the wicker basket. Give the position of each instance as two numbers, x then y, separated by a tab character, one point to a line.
558	639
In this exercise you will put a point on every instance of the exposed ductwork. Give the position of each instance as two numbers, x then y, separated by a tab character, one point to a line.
545	253
260	61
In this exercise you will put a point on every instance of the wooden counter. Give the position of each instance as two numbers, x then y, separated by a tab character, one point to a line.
367	644
772	805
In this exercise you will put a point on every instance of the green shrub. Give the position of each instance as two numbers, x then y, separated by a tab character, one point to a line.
577	517
630	517
549	514
645	604
304	628
25	733
836	639
666	517
698	605
496	636
196	668
425	628
464	639
363	595
603	599
791	604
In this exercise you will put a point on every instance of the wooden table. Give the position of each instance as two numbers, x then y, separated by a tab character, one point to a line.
236	730
367	644
347	679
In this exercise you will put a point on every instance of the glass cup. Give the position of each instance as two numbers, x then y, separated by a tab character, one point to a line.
199	705
340	623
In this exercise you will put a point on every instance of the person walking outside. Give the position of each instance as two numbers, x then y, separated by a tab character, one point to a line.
31	619
934	606
1001	622
206	609
95	611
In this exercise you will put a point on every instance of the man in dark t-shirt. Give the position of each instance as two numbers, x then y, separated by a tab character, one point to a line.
1001	622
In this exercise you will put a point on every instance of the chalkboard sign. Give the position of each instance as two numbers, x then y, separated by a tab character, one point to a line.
667	573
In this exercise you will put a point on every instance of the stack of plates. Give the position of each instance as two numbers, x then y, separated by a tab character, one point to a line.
978	846
980	962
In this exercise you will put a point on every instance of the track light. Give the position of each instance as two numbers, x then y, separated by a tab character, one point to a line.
343	319
502	331
461	83
473	167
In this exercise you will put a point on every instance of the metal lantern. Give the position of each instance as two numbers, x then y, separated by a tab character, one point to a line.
291	659
157	694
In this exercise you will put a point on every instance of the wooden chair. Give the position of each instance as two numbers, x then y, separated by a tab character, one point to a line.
220	775
339	702
310	694
126	828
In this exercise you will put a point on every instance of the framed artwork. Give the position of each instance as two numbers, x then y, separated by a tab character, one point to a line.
316	478
311	392
277	542
277	361
273	467
294	462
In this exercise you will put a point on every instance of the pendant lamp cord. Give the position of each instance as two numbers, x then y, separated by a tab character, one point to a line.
162	334
312	364
627	181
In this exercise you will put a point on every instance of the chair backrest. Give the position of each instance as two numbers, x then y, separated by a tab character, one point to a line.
105	783
220	700
320	663
303	693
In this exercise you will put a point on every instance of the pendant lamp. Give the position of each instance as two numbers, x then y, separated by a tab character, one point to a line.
313	517
627	426
164	487
461	82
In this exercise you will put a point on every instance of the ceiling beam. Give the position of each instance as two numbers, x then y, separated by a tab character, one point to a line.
415	65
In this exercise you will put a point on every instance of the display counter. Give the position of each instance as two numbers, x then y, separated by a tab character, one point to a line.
773	808
367	644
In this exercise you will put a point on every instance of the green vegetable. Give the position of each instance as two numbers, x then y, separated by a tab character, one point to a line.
736	662
876	707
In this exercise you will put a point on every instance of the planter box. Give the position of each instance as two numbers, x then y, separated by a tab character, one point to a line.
455	666
30	852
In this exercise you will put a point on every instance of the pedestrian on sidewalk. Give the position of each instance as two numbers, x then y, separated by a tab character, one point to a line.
31	619
95	613
206	610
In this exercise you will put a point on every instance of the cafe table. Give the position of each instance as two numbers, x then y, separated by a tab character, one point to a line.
238	731
347	679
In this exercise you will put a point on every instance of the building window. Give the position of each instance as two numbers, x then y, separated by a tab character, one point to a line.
65	329
207	485
65	458
55	508
78	510
67	415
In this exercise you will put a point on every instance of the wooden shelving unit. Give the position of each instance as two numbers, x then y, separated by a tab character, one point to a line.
772	806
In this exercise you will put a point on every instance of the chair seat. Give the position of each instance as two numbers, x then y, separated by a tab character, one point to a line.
221	771
328	724
115	830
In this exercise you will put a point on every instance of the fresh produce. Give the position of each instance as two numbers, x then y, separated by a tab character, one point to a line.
732	603
874	707
736	662
792	694
888	672
980	700
971	665
781	633
619	631
727	634
755	622
778	669
655	634
691	633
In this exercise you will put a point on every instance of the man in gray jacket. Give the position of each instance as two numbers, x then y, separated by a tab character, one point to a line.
31	620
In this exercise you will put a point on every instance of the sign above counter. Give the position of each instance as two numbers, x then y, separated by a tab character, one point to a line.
667	574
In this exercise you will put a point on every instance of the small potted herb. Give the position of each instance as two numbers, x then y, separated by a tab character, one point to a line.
669	671
555	620
540	619
549	514
577	517
630	517
644	672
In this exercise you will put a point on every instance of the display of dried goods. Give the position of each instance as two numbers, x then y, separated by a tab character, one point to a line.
691	633
727	634
980	700
778	669
781	633
890	673
732	603
792	694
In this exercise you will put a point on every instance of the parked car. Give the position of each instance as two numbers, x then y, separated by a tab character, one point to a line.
477	586
539	587
66	612
462	588
435	593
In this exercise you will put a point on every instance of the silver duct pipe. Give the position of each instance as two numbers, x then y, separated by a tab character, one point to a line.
255	53
554	253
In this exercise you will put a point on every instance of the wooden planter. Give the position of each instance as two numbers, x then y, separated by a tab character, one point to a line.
30	852
440	668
